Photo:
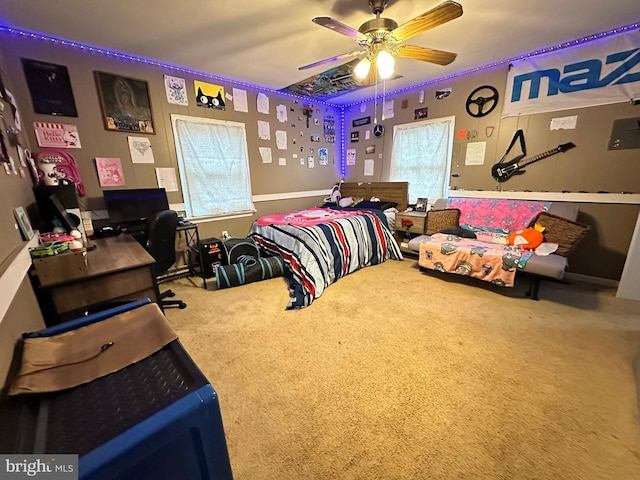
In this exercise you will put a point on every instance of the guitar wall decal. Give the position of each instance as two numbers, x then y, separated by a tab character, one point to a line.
503	171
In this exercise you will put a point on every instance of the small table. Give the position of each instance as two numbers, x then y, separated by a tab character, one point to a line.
119	269
417	220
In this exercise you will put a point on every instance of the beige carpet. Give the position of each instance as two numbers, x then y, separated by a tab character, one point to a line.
396	374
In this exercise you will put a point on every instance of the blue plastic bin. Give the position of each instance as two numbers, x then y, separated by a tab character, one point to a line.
158	418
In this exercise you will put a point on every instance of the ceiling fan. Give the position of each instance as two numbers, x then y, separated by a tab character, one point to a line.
380	40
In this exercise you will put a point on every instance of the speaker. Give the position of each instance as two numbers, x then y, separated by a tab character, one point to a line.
212	255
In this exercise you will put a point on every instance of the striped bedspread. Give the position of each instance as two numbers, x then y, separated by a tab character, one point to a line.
318	255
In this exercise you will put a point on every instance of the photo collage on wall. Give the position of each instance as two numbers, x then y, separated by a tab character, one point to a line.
125	106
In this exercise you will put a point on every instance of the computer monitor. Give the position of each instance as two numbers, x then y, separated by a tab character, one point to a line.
53	212
60	217
134	206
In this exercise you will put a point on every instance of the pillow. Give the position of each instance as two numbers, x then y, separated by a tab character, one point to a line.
527	238
345	201
459	232
378	205
492	237
565	233
437	220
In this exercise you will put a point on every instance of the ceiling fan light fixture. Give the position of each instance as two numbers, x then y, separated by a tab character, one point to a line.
362	69
386	64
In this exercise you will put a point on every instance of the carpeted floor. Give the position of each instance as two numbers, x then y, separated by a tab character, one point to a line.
397	374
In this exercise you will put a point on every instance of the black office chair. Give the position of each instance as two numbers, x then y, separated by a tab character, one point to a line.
161	245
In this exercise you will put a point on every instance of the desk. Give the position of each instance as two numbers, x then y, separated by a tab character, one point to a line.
118	269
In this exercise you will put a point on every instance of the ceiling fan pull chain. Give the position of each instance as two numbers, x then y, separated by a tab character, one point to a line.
384	96
375	103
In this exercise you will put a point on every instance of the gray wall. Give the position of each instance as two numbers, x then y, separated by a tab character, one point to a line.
99	142
22	311
589	167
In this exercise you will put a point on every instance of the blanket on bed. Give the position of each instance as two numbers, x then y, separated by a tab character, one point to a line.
491	262
317	253
303	218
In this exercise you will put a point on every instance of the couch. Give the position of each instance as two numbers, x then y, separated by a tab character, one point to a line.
443	246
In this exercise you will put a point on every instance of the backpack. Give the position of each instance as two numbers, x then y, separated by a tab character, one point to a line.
57	167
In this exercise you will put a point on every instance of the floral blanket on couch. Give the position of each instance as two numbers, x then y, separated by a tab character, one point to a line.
492	262
497	215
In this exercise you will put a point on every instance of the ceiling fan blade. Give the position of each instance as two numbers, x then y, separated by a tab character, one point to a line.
443	13
332	59
439	57
340	27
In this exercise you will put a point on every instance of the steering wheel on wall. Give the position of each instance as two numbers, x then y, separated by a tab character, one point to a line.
484	105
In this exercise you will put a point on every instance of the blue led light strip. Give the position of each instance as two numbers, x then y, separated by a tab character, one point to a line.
341	108
155	63
542	51
342	152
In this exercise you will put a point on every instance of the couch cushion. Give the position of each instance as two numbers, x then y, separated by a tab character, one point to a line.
565	210
548	265
414	243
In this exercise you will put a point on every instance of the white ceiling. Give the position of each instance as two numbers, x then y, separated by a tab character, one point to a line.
264	42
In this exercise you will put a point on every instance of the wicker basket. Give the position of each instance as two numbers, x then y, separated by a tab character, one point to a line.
565	233
437	220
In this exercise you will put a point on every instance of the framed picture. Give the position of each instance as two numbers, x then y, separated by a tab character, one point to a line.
50	88
421	204
125	103
23	223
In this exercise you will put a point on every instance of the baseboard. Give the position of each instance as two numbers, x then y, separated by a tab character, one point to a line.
605	282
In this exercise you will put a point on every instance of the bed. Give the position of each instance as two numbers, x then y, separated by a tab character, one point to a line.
323	244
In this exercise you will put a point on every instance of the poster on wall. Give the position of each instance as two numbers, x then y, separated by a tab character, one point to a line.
17	118
209	95
323	156
351	156
368	167
240	100
167	179
475	153
600	72
176	90
50	88
281	139
56	135
125	103
110	172
140	149
329	129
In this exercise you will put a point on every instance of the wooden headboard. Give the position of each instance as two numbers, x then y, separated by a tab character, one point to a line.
387	191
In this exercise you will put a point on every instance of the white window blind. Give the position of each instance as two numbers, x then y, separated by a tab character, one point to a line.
421	155
214	166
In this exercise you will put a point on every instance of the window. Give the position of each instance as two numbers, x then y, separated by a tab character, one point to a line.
421	155
214	166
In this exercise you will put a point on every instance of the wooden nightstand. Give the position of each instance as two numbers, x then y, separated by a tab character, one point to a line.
417	228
